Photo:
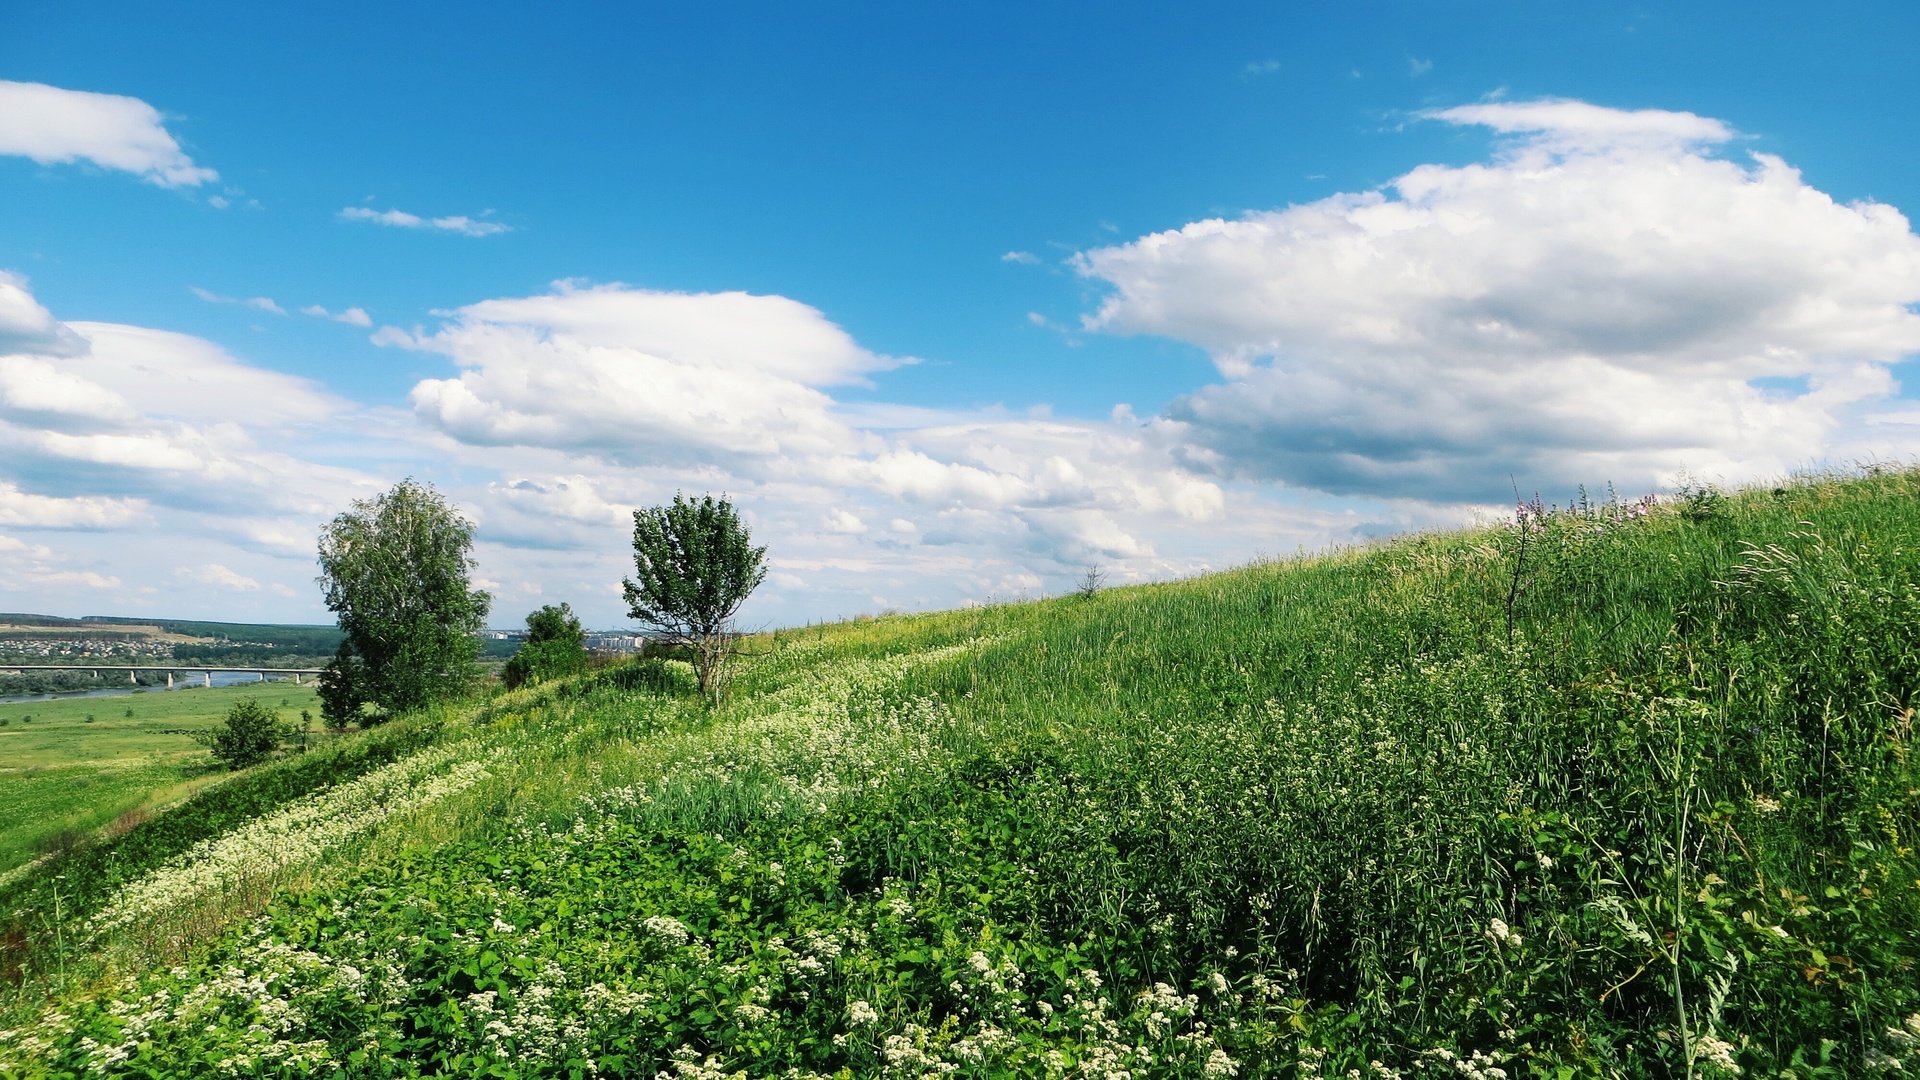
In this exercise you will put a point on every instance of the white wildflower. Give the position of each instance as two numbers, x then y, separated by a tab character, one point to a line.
667	929
1715	1056
1501	934
1219	1064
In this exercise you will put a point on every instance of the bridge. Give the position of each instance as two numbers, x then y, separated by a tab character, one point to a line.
133	670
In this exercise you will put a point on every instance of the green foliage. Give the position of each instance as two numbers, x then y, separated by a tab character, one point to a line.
249	736
343	689
85	876
1610	791
395	569
696	564
555	645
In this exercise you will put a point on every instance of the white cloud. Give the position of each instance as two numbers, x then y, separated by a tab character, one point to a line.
142	448
218	576
38	567
352	316
1024	258
258	303
26	327
23	509
636	375
1417	67
1562	125
588	402
1593	304
840	521
138	425
400	219
55	126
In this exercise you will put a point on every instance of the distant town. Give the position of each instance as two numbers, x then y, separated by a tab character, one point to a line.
29	641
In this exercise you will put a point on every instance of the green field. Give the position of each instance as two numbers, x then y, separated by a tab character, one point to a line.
70	766
1605	793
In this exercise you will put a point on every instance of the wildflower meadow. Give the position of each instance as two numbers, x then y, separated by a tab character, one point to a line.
1610	790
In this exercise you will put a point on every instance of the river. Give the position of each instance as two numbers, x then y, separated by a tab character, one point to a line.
220	678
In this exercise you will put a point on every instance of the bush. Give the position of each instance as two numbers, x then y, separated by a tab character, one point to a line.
555	646
250	736
343	689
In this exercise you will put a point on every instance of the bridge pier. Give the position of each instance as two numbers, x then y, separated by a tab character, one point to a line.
209	677
131	678
169	680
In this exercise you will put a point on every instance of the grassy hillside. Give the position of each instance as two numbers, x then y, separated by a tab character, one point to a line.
69	766
1604	793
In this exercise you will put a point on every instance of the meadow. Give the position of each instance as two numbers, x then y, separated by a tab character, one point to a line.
70	766
1615	790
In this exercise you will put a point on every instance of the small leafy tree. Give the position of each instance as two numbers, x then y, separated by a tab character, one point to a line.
395	569
249	736
343	689
555	645
696	564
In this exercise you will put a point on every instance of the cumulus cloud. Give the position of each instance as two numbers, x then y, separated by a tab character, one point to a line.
132	449
23	509
134	424
400	219
1596	302
641	376
26	327
1024	258
593	400
56	126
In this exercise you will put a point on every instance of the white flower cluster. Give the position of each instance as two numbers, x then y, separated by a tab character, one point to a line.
1503	935
1714	1056
257	1007
295	836
830	732
667	930
1476	1066
1903	1039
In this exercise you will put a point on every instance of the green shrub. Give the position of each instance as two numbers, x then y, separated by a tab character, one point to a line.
249	736
555	646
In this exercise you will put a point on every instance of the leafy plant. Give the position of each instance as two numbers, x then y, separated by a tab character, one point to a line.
555	645
395	570
343	689
1639	805
695	564
249	736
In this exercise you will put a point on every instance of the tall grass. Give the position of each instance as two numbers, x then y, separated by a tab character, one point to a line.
1599	792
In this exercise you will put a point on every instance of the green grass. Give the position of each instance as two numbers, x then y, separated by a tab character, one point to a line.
1598	797
73	765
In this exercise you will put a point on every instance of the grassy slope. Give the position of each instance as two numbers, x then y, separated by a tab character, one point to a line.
1636	801
71	765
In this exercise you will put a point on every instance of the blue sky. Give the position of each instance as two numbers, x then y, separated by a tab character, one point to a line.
961	194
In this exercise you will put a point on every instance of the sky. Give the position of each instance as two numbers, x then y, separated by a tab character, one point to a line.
953	300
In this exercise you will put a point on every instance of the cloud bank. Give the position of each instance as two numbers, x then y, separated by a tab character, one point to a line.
1608	296
55	126
1605	299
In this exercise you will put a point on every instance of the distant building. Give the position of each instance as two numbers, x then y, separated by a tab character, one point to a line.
619	642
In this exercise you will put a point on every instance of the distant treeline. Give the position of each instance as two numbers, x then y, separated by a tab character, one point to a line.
310	640
64	682
224	654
